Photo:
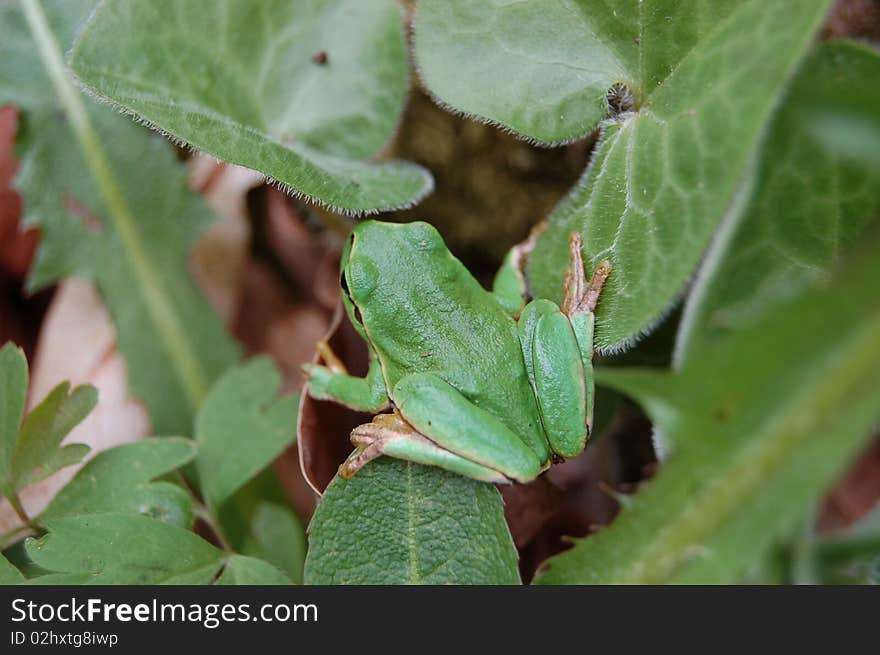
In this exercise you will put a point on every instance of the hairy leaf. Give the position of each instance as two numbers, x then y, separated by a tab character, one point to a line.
815	192
302	91
124	549
703	78
241	570
761	422
117	209
242	427
119	480
401	523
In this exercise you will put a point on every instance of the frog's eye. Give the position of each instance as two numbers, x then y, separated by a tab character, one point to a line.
361	277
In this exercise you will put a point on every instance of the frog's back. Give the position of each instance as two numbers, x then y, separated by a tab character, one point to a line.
438	319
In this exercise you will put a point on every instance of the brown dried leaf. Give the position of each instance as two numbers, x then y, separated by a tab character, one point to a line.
324	426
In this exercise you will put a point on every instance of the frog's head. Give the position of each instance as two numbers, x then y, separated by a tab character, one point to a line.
377	253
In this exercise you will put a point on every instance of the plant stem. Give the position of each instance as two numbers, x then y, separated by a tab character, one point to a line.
9	538
205	513
15	501
162	312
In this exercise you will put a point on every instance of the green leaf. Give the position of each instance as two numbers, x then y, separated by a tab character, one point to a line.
119	480
13	394
240	81
32	451
761	423
112	203
242	427
705	78
277	536
401	523
9	575
241	570
124	549
543	70
815	193
38	451
852	557
258	522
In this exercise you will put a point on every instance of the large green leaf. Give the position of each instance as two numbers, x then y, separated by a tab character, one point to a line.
815	191
123	549
242	427
401	523
761	423
119	480
704	78
544	69
112	203
301	90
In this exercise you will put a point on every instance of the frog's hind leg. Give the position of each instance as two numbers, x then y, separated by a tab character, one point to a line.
390	434
581	297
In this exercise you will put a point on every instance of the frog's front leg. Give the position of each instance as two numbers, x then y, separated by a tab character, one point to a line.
558	354
332	382
445	429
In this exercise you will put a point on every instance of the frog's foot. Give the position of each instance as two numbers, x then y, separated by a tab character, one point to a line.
390	434
581	296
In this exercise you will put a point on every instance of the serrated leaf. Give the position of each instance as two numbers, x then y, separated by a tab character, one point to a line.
241	570
31	450
762	422
136	247
242	427
396	522
38	452
705	78
119	480
13	394
124	549
9	575
815	193
302	91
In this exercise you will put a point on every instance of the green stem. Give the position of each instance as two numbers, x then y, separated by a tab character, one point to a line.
205	513
15	501
158	305
12	536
